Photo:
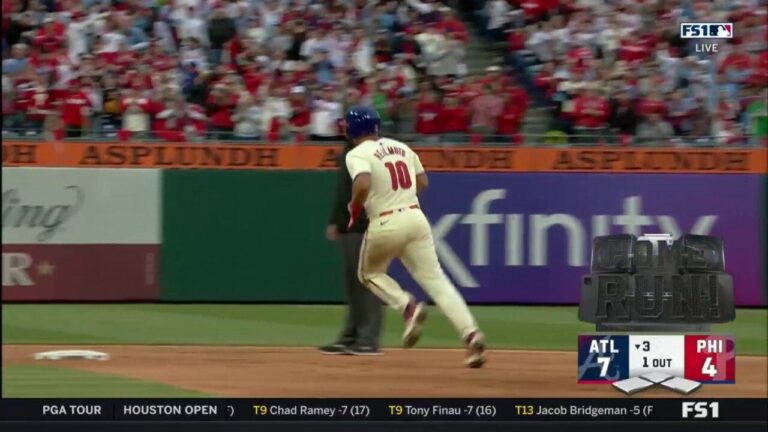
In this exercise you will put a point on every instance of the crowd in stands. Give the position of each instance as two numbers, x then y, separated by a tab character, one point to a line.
286	70
619	68
271	70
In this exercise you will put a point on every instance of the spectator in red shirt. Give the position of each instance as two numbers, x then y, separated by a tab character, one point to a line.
494	76
653	104
486	110
158	56
582	54
450	23
535	9
517	95
454	120
196	122
76	110
171	120
631	48
545	79
124	58
591	113
510	119
516	40
22	101
760	72
221	106
254	76
50	37
41	106
736	60
428	112
471	89
737	67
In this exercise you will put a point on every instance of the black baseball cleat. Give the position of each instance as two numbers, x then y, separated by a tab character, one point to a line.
364	351
335	349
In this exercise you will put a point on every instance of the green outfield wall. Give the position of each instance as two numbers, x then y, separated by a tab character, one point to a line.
248	236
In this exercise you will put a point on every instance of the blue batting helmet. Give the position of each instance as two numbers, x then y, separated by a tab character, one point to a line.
361	121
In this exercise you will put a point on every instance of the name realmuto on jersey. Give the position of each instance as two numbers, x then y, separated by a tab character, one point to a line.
383	152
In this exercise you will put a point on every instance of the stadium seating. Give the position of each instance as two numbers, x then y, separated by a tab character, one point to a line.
618	71
285	70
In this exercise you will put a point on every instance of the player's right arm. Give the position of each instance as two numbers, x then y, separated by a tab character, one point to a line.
421	182
421	174
360	172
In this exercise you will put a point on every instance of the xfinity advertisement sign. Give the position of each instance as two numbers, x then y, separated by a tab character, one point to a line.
524	238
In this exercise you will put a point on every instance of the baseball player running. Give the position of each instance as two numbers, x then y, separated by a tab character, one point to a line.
387	175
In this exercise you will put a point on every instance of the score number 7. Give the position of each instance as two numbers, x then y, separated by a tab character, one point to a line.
604	362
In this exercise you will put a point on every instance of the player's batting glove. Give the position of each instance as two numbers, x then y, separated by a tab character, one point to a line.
354	214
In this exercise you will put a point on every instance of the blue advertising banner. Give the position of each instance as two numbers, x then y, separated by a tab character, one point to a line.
525	238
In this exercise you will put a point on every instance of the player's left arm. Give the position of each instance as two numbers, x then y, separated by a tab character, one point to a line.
360	189
360	171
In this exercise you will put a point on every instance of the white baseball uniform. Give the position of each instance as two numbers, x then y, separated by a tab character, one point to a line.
399	229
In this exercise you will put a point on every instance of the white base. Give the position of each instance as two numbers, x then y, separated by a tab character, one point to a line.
72	354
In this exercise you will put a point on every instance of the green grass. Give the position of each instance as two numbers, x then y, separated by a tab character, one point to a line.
37	381
521	327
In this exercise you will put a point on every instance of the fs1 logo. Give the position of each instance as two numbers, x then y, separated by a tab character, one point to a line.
706	30
701	410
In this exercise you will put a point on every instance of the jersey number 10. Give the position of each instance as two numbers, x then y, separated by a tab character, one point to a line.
398	173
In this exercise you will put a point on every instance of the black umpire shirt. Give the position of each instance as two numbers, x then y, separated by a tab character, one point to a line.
339	213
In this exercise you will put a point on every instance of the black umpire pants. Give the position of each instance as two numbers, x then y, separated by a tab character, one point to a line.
365	314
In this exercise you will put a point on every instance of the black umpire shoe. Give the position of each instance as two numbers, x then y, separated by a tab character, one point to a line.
335	349
363	350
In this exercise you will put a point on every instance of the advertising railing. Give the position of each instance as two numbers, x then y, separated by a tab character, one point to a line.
553	138
324	156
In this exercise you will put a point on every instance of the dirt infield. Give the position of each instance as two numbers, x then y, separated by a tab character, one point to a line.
294	372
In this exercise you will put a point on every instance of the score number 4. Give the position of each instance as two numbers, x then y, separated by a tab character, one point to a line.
708	368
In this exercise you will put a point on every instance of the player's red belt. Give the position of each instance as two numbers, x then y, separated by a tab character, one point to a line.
389	212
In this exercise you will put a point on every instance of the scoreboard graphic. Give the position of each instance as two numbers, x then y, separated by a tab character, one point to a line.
706	359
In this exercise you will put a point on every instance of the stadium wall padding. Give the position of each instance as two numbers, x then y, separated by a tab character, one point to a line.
81	234
501	237
259	235
248	236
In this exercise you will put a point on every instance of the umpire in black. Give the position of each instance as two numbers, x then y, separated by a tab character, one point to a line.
361	333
